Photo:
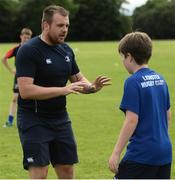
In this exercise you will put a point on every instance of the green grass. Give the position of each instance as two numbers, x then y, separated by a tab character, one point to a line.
95	118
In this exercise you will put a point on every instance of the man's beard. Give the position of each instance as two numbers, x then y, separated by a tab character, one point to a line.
54	41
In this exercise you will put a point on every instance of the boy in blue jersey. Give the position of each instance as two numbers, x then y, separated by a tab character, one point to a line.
146	105
44	66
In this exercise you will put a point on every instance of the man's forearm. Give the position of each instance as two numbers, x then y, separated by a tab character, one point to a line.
41	93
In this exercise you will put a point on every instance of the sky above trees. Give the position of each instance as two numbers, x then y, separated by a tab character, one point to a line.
132	5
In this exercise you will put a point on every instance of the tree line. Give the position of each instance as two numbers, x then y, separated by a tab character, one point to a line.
90	20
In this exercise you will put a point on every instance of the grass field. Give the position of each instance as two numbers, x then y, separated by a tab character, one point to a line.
95	118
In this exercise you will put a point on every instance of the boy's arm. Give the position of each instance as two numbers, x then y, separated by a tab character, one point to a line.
10	69
126	132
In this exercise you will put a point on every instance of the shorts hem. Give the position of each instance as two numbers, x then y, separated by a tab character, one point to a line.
26	167
66	163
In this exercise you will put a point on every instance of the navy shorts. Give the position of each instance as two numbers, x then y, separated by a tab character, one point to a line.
42	145
134	170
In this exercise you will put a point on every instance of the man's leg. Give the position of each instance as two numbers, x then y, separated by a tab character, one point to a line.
63	152
38	172
64	171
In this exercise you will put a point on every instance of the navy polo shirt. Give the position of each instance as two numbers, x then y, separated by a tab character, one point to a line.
49	66
146	94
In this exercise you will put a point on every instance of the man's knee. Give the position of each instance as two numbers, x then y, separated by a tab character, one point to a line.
38	172
68	169
64	171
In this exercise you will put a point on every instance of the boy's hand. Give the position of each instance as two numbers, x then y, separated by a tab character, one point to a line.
114	163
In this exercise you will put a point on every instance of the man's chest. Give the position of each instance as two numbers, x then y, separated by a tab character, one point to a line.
55	64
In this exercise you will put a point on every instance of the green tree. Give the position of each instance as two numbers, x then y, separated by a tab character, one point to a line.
157	18
30	12
7	14
90	19
98	20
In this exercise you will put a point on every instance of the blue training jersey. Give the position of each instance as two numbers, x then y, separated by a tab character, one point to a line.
146	94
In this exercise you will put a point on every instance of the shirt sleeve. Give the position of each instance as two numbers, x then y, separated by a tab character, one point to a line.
75	68
130	100
10	53
68	51
26	61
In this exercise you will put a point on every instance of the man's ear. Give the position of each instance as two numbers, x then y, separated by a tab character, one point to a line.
45	26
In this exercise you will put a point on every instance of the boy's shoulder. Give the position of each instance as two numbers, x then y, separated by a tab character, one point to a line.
140	75
133	78
145	78
131	82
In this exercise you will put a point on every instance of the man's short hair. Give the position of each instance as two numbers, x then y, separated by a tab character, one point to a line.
138	44
26	31
49	11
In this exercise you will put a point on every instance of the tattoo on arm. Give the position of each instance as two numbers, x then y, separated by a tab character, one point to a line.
91	89
77	78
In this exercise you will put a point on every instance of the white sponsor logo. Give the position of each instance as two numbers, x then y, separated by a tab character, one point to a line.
67	59
30	159
48	61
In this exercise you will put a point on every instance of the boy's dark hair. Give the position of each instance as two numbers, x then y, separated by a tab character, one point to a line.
26	31
138	44
49	11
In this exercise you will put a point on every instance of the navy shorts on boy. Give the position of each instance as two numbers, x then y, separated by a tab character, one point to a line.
133	170
43	144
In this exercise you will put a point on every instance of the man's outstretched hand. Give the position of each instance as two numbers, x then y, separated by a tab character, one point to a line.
99	83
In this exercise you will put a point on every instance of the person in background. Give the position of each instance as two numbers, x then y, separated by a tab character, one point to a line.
146	105
44	65
25	35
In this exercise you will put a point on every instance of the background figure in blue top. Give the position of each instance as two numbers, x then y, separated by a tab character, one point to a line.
44	65
146	106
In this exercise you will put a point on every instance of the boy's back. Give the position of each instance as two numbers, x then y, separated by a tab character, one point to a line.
146	94
146	105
